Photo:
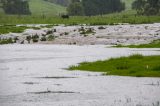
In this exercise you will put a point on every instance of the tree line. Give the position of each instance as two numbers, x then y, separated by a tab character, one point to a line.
94	7
86	7
147	7
15	7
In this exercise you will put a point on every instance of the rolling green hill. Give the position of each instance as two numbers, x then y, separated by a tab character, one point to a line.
39	7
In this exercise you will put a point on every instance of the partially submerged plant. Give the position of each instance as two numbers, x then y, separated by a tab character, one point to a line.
49	32
43	38
50	37
35	38
6	41
28	38
86	31
66	33
101	27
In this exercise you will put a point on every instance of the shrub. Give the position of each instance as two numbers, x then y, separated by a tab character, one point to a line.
43	38
35	38
28	38
87	31
50	37
101	27
66	33
49	32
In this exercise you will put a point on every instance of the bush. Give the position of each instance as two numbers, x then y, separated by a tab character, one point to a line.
43	38
66	33
35	38
50	38
101	27
49	32
87	31
28	38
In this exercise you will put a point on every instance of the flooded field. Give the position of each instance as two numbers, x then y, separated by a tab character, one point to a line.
85	34
35	75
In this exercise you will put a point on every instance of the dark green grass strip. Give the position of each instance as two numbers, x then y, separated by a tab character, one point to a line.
154	44
94	20
135	65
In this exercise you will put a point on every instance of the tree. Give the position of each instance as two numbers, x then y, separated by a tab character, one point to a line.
100	7
75	8
16	7
149	7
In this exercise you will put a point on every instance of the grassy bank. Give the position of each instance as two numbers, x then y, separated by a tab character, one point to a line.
154	44
94	20
124	66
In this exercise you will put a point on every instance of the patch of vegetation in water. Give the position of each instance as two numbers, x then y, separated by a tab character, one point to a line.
86	31
11	28
47	26
134	65
50	37
6	41
154	44
4	29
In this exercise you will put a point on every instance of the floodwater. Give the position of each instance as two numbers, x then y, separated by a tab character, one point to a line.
35	75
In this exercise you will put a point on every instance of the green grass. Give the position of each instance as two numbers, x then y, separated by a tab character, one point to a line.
6	41
51	10
94	20
11	28
154	44
135	65
4	29
38	7
41	7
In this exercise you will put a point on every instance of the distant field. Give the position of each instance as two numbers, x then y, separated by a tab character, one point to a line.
50	10
95	20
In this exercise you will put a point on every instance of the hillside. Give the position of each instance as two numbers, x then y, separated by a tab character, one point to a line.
39	7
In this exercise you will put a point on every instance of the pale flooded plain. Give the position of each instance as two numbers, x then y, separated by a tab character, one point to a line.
36	75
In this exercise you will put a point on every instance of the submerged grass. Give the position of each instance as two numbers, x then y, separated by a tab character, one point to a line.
14	29
154	44
6	41
11	28
134	65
